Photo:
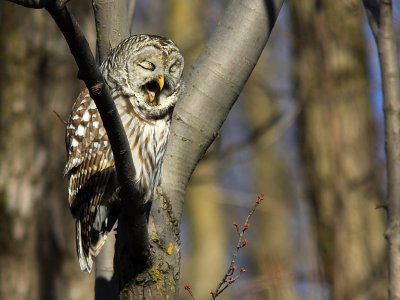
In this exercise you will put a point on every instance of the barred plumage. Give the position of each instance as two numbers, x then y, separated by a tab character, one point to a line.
144	75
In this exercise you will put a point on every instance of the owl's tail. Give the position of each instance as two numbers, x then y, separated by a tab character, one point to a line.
92	230
87	250
84	255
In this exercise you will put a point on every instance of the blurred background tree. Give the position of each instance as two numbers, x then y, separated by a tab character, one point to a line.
337	140
38	80
302	132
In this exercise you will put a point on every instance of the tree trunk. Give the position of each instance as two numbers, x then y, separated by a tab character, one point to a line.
337	140
192	133
203	193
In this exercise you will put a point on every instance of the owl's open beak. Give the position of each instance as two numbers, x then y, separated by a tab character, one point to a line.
153	87
161	81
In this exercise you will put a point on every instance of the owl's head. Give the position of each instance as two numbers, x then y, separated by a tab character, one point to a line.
148	69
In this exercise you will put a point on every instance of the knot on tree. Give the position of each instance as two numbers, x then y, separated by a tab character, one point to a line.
97	88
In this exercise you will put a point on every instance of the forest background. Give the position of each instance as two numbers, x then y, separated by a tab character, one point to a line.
307	131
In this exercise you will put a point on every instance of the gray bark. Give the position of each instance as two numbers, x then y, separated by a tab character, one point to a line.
112	24
213	84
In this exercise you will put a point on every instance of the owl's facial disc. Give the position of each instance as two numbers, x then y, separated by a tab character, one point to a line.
154	88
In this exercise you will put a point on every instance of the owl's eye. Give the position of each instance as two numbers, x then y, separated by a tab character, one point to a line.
147	65
174	68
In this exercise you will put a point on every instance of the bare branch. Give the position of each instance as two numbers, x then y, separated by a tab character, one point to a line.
37	4
231	275
389	61
111	28
31	3
391	94
99	92
133	243
188	288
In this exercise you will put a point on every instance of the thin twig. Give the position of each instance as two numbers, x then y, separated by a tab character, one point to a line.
231	275
59	117
188	288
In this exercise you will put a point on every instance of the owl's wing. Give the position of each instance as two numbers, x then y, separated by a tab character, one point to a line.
85	134
90	169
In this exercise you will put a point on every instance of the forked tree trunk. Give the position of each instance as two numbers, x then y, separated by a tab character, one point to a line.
193	131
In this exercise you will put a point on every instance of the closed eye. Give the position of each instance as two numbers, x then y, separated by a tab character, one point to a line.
147	65
174	68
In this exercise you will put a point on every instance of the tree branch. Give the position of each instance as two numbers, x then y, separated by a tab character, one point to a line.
133	229
112	24
132	241
37	4
389	61
100	94
111	28
231	274
212	86
30	3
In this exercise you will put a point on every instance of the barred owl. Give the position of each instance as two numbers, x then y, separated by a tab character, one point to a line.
144	76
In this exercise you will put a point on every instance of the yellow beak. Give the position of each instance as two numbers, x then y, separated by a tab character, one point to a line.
161	81
152	94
